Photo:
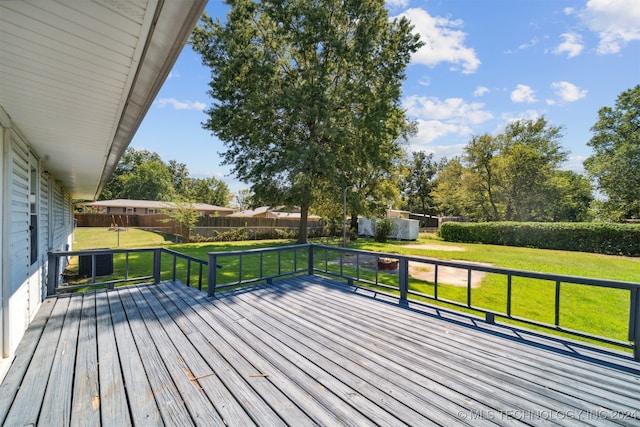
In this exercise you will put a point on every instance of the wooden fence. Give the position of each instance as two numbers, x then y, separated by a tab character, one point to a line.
206	226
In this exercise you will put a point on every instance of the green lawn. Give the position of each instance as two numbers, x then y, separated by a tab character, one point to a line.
599	311
94	238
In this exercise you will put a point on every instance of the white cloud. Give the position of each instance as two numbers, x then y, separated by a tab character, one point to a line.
523	93
568	11
444	41
172	75
571	45
617	23
451	109
437	118
531	43
430	130
181	105
439	151
395	4
568	92
525	115
480	91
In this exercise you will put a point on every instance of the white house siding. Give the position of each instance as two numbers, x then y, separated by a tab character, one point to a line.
23	282
43	232
17	288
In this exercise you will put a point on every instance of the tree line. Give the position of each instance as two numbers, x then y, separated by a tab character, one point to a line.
307	103
143	175
517	174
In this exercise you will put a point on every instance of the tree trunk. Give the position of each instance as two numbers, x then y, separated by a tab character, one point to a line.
302	225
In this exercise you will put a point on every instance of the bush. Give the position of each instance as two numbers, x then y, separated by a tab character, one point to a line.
383	228
603	238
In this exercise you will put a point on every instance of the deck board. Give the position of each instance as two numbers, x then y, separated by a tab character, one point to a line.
33	384
113	397
138	389
86	393
301	351
26	349
544	389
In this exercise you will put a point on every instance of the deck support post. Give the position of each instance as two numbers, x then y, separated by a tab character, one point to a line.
490	318
310	258
634	322
403	279
212	270
52	274
157	254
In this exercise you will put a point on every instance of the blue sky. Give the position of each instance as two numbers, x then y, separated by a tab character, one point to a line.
485	63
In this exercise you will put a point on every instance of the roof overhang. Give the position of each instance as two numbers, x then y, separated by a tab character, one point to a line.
77	77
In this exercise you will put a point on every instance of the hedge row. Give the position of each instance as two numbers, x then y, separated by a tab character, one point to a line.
602	238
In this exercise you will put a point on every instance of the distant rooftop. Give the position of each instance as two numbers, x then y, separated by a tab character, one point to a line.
151	204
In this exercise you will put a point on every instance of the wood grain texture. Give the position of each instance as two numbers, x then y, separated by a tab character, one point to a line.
302	351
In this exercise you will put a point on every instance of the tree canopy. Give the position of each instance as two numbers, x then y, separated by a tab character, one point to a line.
514	176
616	160
419	183
304	92
143	175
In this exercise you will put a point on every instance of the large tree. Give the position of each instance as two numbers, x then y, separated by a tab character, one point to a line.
615	164
142	175
304	90
419	183
530	150
514	176
209	190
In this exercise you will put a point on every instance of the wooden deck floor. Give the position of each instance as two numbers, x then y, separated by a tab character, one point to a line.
304	351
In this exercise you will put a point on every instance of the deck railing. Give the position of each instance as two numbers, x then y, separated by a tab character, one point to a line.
347	264
256	265
134	268
245	267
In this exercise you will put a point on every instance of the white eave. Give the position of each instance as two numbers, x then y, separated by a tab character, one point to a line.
78	76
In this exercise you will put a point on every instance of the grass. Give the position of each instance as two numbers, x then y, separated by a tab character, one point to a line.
589	309
94	238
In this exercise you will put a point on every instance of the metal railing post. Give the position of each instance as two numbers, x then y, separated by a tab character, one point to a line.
52	276
157	254
213	270
634	322
403	278
310	257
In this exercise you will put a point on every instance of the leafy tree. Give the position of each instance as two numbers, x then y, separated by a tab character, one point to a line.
180	177
529	152
244	199
303	90
449	193
184	214
129	163
514	176
151	181
616	159
209	190
419	183
482	177
570	197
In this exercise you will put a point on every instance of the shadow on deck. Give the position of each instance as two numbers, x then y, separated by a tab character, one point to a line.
303	351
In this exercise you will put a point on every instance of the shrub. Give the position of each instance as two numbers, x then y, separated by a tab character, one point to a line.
383	228
603	238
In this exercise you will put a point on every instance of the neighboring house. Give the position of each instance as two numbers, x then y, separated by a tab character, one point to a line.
279	212
145	207
76	80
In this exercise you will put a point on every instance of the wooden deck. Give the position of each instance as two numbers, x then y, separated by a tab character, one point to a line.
303	351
